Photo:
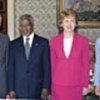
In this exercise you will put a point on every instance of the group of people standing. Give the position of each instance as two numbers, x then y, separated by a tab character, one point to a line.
30	68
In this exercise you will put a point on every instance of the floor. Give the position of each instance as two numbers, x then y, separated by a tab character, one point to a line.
91	97
88	97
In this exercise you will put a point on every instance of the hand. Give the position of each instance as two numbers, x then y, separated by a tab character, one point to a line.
7	97
97	91
44	94
12	95
85	91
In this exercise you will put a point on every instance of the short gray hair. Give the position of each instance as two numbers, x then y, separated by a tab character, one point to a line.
28	17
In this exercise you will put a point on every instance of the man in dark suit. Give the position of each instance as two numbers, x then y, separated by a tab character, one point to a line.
29	63
4	45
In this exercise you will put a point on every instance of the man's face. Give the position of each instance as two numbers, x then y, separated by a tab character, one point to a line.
25	27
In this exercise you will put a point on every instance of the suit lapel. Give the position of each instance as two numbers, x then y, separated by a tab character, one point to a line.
34	45
32	50
21	47
72	47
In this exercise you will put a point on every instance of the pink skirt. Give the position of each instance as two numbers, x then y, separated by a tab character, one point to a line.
66	92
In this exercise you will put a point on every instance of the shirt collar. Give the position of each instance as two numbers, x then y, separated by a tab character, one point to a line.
31	38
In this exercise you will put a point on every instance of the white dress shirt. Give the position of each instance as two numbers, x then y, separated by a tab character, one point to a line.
67	46
31	38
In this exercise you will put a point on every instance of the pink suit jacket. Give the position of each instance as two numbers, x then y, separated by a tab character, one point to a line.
72	71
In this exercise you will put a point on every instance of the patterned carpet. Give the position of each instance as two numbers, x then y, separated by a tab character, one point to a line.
88	97
91	97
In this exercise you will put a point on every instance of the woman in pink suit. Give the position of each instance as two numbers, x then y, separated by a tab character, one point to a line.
69	60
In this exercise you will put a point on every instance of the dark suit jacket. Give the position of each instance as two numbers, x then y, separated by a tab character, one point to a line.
4	45
28	77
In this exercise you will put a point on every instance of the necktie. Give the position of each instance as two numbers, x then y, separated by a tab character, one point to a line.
27	48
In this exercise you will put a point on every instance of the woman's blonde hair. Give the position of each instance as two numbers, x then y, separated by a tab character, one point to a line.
67	13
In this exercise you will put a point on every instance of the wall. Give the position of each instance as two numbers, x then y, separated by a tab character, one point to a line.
91	33
10	18
44	12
